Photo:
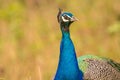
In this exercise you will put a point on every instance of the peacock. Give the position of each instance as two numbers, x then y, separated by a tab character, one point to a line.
86	67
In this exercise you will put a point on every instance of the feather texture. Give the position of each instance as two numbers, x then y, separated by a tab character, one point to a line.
98	68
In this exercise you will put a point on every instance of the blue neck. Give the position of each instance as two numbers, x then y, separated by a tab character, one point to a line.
68	66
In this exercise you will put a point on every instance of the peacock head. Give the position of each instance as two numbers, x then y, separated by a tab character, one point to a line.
65	19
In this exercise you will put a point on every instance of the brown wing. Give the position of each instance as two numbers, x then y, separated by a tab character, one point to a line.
101	70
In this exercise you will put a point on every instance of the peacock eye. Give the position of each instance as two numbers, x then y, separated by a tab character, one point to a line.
66	17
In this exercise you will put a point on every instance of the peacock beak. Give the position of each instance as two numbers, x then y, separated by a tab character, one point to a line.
74	19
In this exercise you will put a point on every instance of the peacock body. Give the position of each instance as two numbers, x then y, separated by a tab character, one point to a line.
87	67
99	68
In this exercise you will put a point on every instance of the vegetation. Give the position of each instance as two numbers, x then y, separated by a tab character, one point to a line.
30	35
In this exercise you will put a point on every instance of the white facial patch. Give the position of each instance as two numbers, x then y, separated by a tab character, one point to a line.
66	20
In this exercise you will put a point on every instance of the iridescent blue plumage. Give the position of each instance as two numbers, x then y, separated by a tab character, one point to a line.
68	66
67	13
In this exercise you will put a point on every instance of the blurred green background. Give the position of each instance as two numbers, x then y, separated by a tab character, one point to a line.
30	34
